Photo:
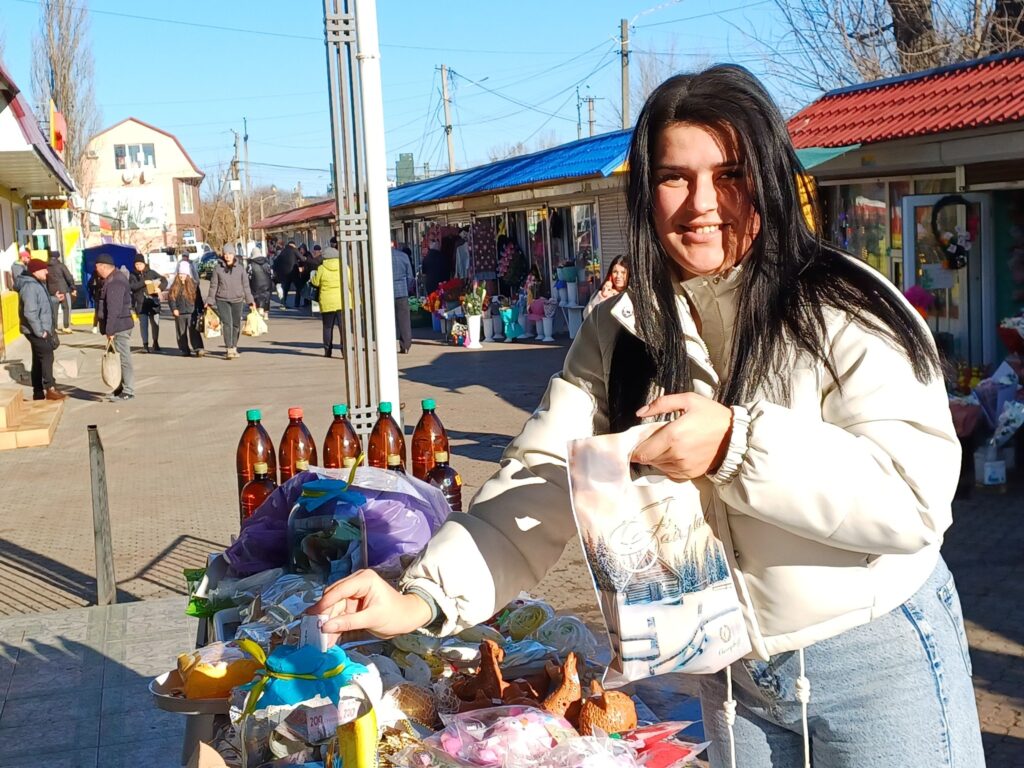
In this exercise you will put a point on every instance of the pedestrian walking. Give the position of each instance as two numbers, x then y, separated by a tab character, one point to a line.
146	285
185	300
261	280
327	282
301	276
803	396
435	269
193	269
19	267
39	326
114	310
229	293
404	281
94	286
284	272
61	285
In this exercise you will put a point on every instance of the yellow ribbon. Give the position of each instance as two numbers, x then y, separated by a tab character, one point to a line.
253	698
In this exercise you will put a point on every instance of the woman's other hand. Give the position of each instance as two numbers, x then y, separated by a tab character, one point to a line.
692	445
365	601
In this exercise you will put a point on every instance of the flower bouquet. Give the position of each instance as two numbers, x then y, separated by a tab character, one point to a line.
1011	333
474	301
452	290
512	266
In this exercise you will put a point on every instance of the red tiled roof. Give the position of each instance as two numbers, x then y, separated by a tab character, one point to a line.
322	210
973	94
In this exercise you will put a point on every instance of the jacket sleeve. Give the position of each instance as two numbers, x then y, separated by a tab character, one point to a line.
874	471
68	276
521	519
214	284
247	291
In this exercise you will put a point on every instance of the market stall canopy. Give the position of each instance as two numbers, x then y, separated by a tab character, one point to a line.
123	256
974	94
595	156
326	209
28	163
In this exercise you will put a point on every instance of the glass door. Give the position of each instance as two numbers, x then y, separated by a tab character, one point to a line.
947	253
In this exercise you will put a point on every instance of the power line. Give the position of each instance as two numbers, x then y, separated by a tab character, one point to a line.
500	95
705	15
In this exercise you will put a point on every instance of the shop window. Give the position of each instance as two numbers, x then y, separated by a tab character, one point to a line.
861	223
185	198
945	186
584	222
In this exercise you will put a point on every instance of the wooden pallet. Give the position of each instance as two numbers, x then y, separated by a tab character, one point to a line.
27	423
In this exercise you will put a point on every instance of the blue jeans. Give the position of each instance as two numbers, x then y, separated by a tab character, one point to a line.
894	692
123	345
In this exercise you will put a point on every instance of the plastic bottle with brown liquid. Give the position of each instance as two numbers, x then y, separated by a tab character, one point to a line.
257	490
297	450
341	442
445	477
385	439
428	438
254	446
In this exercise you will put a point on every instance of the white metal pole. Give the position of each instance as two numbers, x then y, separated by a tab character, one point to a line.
379	224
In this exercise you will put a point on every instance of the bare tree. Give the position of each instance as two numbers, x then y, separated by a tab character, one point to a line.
62	70
506	150
828	44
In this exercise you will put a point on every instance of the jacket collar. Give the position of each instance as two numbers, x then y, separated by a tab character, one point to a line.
715	300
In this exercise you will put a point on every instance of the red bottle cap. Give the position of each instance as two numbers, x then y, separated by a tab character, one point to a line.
294	413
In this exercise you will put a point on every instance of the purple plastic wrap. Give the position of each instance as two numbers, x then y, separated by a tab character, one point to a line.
401	514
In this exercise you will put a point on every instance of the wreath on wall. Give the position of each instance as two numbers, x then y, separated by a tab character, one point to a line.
955	245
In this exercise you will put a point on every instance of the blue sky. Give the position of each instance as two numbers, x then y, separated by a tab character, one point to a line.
516	69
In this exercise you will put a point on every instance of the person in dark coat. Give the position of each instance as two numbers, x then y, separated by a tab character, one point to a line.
185	300
435	269
261	280
285	269
61	284
39	326
114	310
301	275
145	301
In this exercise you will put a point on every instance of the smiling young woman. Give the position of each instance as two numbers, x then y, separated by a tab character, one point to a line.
803	396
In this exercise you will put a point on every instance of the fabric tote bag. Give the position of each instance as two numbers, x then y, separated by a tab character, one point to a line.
110	366
662	577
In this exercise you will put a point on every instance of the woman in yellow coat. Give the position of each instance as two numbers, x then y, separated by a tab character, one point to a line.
327	281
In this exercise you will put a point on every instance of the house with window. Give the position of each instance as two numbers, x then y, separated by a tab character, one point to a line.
141	188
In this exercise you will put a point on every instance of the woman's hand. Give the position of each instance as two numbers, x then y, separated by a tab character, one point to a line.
607	290
365	601
692	445
174	312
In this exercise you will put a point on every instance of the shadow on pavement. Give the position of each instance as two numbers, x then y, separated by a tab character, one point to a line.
30	579
74	690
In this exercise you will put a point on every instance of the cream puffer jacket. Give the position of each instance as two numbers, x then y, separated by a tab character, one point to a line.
834	517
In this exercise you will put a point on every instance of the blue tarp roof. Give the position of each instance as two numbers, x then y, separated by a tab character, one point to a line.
593	156
587	157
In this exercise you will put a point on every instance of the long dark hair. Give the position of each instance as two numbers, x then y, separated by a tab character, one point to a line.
789	276
620	259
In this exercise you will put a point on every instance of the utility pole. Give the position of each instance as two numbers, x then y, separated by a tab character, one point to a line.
590	113
579	117
248	189
236	188
448	118
624	52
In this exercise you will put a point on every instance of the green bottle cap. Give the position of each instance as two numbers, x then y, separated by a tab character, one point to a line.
340	409
384	407
429	404
253	414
